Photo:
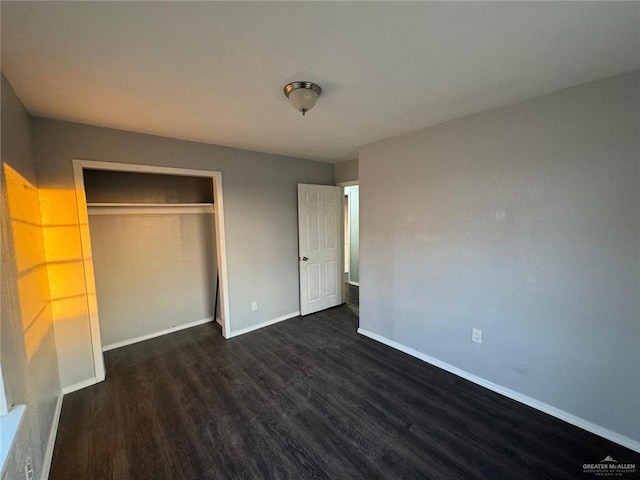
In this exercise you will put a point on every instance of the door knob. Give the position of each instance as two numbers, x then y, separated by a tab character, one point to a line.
304	259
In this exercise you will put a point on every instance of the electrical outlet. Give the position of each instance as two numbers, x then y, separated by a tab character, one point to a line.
29	473
476	335
254	305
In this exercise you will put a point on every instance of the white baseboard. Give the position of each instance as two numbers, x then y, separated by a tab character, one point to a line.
77	386
518	397
355	284
48	453
142	338
219	321
263	324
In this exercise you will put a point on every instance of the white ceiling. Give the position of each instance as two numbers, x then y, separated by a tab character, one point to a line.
214	72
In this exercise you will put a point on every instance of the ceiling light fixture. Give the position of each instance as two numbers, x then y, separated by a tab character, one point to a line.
302	95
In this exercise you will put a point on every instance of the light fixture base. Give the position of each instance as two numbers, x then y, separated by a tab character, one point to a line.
289	87
302	95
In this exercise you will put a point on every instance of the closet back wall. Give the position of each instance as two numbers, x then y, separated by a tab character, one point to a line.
153	273
155	269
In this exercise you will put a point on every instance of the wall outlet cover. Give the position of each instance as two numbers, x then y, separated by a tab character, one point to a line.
29	473
476	335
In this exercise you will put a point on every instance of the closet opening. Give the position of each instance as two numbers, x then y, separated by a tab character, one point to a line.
153	251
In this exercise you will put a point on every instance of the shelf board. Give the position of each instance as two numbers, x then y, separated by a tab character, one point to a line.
148	208
149	204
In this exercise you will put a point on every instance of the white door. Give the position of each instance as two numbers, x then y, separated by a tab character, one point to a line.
320	247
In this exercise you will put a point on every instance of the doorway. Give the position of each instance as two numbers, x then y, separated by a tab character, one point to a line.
352	244
211	181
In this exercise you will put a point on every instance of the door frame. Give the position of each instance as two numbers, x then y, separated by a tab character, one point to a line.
87	256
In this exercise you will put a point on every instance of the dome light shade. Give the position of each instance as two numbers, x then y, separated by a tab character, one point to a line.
302	95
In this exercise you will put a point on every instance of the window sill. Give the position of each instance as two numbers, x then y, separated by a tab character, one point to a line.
9	425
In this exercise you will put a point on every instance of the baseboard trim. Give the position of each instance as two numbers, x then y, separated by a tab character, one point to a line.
80	385
264	324
51	442
219	321
166	331
512	394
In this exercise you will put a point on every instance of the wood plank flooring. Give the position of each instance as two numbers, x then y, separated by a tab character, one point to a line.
305	398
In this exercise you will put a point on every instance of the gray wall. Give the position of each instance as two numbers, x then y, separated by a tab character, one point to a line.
28	350
523	222
260	214
152	272
346	171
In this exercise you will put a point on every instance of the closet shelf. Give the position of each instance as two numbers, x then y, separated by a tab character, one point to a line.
148	208
152	205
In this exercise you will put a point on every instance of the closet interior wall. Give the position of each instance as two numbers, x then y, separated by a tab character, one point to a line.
153	244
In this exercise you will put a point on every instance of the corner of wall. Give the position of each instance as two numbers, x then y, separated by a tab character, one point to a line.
29	351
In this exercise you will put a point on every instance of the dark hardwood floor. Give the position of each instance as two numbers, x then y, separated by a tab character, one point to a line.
305	398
